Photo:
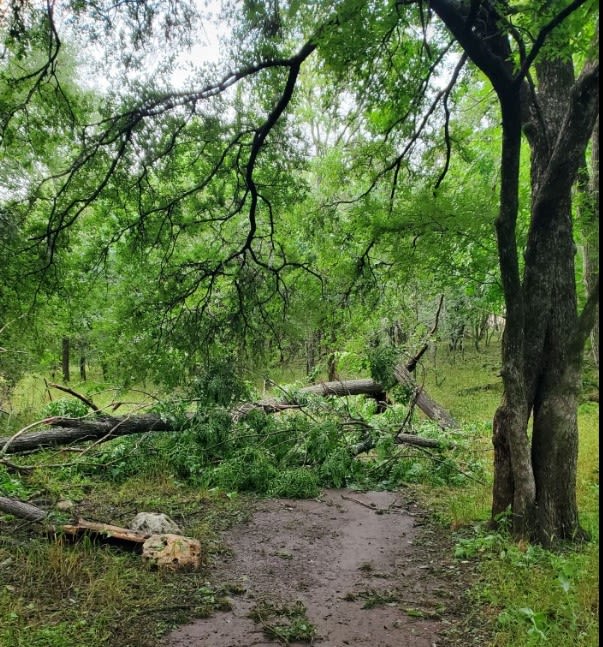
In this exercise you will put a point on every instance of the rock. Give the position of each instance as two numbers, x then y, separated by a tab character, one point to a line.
155	523
65	506
172	552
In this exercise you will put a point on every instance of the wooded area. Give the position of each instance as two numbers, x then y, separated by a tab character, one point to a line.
255	250
285	204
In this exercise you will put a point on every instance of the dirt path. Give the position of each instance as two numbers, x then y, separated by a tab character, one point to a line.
364	565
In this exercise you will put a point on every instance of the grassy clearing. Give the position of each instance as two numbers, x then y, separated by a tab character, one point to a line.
54	593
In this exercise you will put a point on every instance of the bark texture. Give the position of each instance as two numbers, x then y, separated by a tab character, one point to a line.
543	342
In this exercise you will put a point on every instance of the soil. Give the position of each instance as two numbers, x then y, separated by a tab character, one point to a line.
368	567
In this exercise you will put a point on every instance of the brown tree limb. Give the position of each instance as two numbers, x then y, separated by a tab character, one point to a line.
77	395
428	406
31	512
70	430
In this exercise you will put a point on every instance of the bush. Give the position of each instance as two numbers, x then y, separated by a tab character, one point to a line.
67	408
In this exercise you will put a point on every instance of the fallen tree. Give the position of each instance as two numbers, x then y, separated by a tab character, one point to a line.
101	427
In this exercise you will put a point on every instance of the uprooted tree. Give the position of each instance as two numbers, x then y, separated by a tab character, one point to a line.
132	156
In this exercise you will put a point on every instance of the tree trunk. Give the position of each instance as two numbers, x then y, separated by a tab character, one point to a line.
541	362
72	430
65	359
82	366
567	110
543	341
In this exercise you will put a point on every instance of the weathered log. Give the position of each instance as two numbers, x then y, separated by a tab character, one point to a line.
70	430
21	509
336	388
31	512
168	551
427	405
105	530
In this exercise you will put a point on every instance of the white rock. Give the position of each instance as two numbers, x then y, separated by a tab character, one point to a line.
155	523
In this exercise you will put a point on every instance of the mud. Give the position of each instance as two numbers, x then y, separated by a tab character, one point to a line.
367	566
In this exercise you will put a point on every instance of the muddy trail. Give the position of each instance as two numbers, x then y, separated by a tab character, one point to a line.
351	568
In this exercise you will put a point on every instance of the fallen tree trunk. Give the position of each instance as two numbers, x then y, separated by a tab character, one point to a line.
336	388
427	405
70	430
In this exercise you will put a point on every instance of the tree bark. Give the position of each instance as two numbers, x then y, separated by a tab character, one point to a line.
543	341
71	430
21	509
428	406
65	358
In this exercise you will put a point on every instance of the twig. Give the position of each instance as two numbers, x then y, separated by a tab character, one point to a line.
366	505
25	469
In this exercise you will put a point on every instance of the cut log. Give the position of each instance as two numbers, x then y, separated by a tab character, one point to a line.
21	509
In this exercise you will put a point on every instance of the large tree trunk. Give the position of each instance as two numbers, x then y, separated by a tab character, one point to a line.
567	109
544	338
541	359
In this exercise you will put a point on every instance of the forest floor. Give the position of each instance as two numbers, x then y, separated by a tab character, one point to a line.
350	568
